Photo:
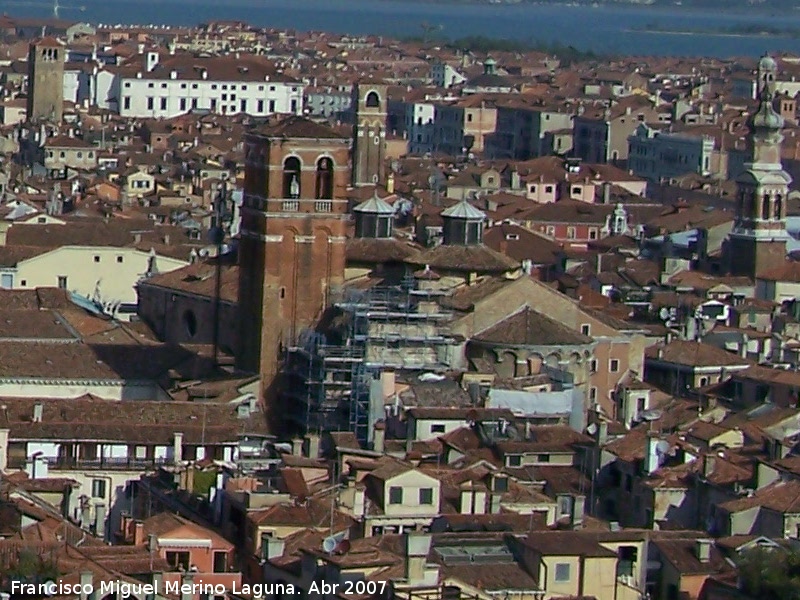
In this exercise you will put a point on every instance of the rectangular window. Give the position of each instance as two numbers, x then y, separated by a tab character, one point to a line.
164	103
426	496
585	329
98	488
613	365
293	108
543	458
571	233
150	103
62	282
183	103
220	562
437	428
243	105
514	460
96	259
179	560
6	281
260	106
126	102
395	495
562	572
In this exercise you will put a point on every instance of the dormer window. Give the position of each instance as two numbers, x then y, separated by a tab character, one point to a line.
512	236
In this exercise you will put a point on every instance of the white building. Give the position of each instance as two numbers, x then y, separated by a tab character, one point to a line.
443	75
175	84
419	121
657	155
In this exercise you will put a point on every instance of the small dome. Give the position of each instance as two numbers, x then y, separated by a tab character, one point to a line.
767	118
767	63
375	206
463	210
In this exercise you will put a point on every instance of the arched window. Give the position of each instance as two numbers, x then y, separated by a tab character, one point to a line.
372	100
778	207
291	177
765	212
324	186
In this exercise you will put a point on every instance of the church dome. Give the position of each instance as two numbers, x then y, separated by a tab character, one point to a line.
767	118
767	63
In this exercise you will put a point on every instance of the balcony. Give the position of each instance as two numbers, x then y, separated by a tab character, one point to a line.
106	464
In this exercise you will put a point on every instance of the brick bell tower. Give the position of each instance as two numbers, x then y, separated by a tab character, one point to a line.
369	133
292	247
757	242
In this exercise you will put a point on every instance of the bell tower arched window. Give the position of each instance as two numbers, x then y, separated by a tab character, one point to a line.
778	207
324	183
765	212
372	100
291	177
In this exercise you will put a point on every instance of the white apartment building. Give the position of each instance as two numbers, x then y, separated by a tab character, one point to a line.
419	126
658	155
443	75
172	85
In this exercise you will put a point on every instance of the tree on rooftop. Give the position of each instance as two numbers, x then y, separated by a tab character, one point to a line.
770	573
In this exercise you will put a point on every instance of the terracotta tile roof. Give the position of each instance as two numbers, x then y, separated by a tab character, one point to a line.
472	414
141	421
475	259
781	496
199	279
465	298
528	327
568	543
694	354
522	244
546	438
298	127
379	251
314	513
492	577
682	555
788	272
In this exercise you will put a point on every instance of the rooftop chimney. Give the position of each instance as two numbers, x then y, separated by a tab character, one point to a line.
651	454
702	549
417	547
378	436
177	447
4	433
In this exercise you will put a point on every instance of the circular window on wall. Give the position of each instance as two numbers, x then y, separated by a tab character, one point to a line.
190	323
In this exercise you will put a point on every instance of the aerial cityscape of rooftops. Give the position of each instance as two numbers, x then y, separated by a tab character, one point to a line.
294	313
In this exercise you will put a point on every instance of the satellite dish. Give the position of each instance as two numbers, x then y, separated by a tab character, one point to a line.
651	415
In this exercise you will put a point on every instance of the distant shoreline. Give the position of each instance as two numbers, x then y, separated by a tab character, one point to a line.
709	33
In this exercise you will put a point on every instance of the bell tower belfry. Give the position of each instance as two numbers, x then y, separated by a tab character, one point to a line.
369	133
292	246
757	242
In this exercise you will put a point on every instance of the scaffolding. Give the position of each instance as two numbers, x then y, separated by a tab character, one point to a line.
333	386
